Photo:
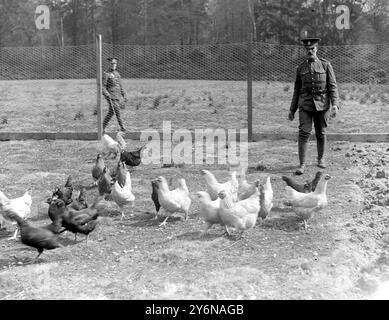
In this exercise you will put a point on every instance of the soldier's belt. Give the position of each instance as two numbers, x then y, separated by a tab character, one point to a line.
314	92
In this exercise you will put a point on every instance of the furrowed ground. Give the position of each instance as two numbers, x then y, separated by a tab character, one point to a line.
342	255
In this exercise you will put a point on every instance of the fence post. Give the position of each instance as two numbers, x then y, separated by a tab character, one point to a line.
99	85
249	88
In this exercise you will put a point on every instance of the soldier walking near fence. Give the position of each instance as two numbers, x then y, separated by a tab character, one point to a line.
315	91
113	93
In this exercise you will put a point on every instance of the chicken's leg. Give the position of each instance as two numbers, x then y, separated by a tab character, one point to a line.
208	225
14	237
164	222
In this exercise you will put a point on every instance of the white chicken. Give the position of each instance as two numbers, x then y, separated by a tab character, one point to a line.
111	146
266	198
209	210
177	200
123	195
214	187
245	189
20	206
241	215
305	204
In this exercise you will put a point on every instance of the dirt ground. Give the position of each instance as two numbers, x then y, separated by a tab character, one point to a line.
342	255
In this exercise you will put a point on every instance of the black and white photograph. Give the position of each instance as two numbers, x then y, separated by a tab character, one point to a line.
207	151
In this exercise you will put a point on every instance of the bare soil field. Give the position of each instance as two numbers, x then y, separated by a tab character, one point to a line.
342	255
69	106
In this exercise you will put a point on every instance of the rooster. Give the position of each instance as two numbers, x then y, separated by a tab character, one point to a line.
306	187
266	198
38	238
305	204
209	210
214	187
122	194
20	206
132	158
241	215
177	200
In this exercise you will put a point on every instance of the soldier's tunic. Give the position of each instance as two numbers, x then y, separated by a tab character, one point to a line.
114	93
315	89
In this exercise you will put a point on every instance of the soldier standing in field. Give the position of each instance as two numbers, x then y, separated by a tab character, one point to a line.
113	93
316	97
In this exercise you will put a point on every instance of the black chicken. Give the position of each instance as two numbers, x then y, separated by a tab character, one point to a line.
55	227
303	188
56	209
154	195
65	193
36	237
80	202
83	221
132	158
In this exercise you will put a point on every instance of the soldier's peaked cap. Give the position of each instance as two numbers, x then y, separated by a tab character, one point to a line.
310	41
112	59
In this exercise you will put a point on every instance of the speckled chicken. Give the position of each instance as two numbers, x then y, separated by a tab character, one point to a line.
98	168
214	187
177	200
241	215
305	204
104	183
123	195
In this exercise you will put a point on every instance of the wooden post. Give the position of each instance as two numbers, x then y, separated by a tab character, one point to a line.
99	85
249	88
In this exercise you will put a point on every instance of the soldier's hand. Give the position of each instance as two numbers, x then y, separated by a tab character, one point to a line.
334	111
290	116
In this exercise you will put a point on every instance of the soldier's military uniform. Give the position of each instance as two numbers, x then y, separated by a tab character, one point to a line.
114	94
315	90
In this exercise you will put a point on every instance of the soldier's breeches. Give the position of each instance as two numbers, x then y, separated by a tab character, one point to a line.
114	107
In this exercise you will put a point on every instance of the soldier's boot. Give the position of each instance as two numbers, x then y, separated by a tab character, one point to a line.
321	146
302	149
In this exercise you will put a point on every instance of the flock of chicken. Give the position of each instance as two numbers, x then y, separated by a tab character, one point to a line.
236	204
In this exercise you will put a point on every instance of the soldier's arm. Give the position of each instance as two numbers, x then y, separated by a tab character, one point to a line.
104	85
332	87
296	92
123	93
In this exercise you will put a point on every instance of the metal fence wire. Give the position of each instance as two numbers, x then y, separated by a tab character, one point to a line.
270	62
198	86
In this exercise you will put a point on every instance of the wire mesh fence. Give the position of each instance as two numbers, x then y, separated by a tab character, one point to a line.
190	86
